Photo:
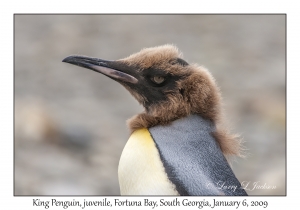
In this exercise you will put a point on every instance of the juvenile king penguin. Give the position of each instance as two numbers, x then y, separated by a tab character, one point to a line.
177	144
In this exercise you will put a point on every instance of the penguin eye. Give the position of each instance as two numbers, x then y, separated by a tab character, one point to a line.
179	61
158	79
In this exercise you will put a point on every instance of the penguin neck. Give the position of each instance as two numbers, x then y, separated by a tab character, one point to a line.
153	118
189	124
194	121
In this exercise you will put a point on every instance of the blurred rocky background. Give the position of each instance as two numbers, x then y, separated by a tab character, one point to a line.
70	122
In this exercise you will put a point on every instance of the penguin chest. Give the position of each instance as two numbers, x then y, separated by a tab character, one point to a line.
141	170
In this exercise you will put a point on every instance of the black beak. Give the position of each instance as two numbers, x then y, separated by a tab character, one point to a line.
116	70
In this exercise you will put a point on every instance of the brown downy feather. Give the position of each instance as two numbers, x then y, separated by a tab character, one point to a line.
197	93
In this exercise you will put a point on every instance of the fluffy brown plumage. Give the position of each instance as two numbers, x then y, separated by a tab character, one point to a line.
195	93
168	87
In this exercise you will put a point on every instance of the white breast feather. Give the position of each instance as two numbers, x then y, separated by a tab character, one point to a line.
141	171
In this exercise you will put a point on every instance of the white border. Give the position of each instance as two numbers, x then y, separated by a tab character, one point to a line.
8	201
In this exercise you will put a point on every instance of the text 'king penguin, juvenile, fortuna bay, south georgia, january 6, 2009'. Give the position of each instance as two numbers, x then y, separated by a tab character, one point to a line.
178	143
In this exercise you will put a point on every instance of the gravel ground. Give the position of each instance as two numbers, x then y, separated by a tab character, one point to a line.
70	123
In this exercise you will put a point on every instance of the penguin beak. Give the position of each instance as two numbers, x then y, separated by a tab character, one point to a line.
116	70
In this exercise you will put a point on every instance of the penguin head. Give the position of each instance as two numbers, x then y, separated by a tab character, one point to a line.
162	81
